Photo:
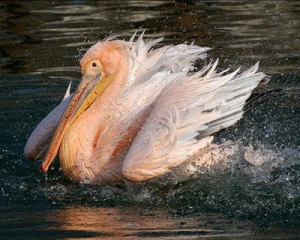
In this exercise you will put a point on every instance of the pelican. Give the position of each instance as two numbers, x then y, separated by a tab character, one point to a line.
139	111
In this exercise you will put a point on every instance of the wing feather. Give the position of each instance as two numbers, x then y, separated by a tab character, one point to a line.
39	140
190	106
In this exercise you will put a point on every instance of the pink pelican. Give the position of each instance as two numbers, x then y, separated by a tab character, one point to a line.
139	111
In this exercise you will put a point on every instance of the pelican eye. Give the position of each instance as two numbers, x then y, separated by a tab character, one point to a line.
95	64
93	68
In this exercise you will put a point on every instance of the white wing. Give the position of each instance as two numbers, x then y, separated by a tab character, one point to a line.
202	103
39	140
152	70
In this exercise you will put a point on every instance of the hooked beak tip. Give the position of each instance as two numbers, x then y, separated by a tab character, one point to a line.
43	168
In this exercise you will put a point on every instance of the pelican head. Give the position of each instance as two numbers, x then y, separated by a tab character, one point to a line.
99	67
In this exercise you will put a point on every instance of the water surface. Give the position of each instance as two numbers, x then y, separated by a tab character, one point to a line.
252	193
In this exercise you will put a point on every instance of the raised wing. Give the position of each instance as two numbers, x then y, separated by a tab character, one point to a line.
147	62
191	106
39	140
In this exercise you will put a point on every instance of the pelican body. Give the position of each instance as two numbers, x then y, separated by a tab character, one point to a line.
139	111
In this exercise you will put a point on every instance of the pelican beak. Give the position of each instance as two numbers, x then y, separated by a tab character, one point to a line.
90	87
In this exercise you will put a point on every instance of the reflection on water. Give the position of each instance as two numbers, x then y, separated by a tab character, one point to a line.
84	222
255	182
125	222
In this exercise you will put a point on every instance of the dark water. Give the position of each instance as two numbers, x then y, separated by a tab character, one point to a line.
253	193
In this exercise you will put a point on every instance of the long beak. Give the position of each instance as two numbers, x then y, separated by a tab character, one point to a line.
88	90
